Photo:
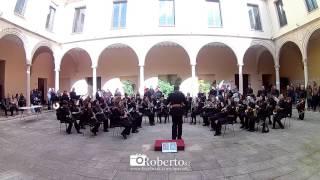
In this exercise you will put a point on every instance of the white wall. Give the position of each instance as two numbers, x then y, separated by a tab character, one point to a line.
297	15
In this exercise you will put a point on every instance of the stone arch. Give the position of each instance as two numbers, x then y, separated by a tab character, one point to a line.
309	32
284	41
118	45
68	49
217	44
116	63
166	43
258	64
268	45
291	66
211	63
76	71
39	45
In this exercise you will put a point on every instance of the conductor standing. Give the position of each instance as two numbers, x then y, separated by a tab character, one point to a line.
176	100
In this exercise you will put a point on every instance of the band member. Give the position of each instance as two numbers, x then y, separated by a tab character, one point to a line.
64	114
177	102
100	115
279	113
196	109
162	110
188	104
120	116
88	118
241	108
301	108
149	109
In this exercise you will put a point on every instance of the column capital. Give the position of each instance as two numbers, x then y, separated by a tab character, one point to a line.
277	67
240	65
305	62
94	67
57	70
141	65
28	68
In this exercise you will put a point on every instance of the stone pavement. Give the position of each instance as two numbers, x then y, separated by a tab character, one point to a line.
36	149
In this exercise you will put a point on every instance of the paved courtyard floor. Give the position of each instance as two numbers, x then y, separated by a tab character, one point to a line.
36	149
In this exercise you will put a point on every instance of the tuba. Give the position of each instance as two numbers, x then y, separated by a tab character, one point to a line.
56	105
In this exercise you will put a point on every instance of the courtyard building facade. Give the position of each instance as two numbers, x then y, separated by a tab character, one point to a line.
98	44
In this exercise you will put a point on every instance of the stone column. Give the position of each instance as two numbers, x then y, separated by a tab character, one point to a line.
306	74
195	85
277	68
141	80
57	80
240	78
94	81
28	85
193	71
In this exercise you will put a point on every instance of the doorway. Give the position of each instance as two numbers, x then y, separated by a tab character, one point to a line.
267	81
42	87
2	78
245	81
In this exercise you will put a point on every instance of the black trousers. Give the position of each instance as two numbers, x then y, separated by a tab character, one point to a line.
70	124
176	126
277	119
217	124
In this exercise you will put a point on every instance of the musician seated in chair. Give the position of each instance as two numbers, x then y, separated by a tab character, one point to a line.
119	116
162	109
251	114
87	118
149	109
301	108
63	114
262	113
100	115
221	118
280	112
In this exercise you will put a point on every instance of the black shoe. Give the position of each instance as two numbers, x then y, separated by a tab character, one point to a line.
194	123
79	132
211	129
105	130
217	134
135	131
281	127
94	133
69	132
124	135
241	127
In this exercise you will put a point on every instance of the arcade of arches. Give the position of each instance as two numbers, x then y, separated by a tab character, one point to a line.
215	62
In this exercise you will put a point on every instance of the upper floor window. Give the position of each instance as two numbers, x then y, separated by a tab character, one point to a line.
214	13
50	18
20	7
254	16
311	5
281	13
167	13
119	14
79	17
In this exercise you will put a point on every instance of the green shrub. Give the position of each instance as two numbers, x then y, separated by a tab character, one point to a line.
128	87
204	86
165	87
